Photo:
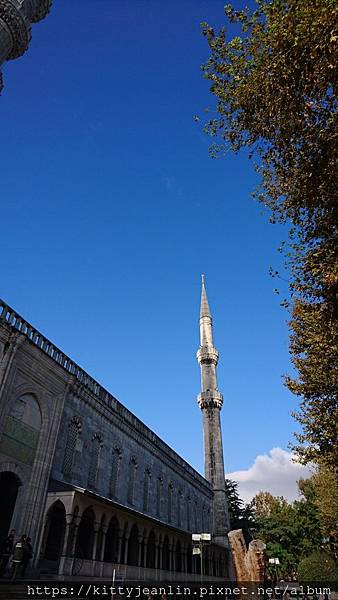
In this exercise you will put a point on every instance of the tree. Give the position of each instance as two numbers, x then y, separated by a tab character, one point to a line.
241	515
275	87
291	531
325	499
318	567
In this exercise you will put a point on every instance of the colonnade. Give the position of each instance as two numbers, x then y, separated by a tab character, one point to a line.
122	539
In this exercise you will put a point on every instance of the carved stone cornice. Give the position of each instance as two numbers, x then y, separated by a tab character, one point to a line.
210	399
16	17
207	355
18	25
41	10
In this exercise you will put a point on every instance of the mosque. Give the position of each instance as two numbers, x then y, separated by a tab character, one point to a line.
91	484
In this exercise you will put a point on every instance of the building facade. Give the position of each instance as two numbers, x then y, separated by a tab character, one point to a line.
92	485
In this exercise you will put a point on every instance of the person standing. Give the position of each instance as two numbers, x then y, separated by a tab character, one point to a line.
27	555
18	555
6	551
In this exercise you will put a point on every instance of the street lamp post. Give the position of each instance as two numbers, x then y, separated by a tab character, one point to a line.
274	561
198	540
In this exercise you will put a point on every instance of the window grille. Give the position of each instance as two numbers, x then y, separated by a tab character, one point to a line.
94	460
74	429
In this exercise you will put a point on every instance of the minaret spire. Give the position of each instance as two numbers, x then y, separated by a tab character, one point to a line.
210	401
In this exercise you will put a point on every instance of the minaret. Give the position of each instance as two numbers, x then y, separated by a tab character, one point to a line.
210	401
16	18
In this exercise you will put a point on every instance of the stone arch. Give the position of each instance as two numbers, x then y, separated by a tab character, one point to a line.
33	390
85	536
165	554
133	546
22	428
151	550
9	484
26	409
55	531
111	547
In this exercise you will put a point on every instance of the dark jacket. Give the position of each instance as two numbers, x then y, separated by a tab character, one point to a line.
27	551
7	545
18	552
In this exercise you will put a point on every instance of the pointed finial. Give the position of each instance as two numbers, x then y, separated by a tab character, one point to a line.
205	310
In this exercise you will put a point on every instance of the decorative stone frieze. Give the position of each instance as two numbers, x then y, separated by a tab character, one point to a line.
210	399
16	18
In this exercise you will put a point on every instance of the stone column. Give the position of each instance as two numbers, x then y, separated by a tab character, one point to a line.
184	559
63	557
104	530
125	558
145	548
43	538
159	555
119	545
139	560
76	523
96	531
170	556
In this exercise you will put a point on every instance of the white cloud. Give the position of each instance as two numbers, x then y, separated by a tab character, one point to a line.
274	472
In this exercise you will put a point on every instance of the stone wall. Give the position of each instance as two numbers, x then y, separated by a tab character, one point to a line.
42	391
164	485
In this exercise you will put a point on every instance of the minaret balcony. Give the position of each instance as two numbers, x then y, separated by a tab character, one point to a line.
210	399
207	355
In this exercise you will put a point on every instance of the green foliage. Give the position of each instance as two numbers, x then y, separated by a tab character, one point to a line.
275	86
318	567
325	499
241	515
290	531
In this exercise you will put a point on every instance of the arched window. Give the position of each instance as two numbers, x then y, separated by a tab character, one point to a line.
179	505
111	546
203	517
170	501
159	486
94	460
133	546
115	471
85	536
74	430
195	516
146	486
188	513
22	429
132	476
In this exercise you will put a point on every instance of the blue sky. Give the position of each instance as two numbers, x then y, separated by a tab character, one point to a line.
112	209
